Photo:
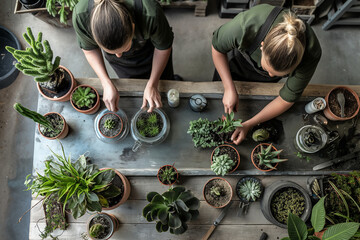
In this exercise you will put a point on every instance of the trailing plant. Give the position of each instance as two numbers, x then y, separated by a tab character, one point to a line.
79	186
260	135
297	228
168	174
51	6
109	124
250	190
83	97
172	209
267	157
96	230
227	124
203	133
222	164
148	126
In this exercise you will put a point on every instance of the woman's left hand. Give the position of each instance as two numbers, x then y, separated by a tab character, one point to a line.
151	96
240	133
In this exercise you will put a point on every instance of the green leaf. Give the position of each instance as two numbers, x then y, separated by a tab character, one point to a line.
94	206
181	205
181	229
158	227
341	231
193	203
163	215
318	215
151	195
174	221
93	197
297	229
111	192
313	238
103	201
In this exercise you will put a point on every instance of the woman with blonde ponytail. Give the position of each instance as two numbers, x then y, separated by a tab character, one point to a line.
264	44
136	39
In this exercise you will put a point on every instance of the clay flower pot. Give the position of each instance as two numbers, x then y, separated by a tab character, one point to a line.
328	112
126	192
257	149
237	155
64	131
159	178
113	226
120	125
228	195
87	110
65	97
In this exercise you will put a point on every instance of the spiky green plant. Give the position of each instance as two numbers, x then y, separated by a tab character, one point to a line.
153	131
96	230
109	124
148	126
168	174
51	6
152	119
250	190
140	123
216	191
228	124
267	157
222	164
172	209
83	96
36	60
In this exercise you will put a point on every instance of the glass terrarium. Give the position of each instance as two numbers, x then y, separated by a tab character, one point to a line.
310	139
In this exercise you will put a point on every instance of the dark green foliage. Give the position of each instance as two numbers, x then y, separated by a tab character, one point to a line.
228	124
36	117
203	133
109	124
63	11
96	230
268	158
148	125
35	61
171	210
83	97
168	174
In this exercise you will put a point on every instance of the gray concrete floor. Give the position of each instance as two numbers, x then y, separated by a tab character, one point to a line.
192	60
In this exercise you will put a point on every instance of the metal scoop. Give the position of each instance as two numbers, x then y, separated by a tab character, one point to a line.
341	100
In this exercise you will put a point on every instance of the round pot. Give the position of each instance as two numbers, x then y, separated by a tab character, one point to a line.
65	97
228	185
275	187
64	132
303	133
122	134
94	108
166	184
253	157
127	189
237	153
114	224
330	115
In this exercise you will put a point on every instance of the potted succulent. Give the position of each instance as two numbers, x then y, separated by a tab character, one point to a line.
224	159
172	209
226	126
54	82
217	192
266	159
351	104
167	175
110	125
85	99
102	226
249	189
51	126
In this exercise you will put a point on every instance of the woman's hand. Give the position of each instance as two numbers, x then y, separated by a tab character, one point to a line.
230	101
240	133
151	96
111	97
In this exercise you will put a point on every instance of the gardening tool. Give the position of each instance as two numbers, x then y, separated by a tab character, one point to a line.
217	221
341	100
336	161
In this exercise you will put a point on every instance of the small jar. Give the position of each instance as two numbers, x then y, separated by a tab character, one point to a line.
315	105
173	98
197	102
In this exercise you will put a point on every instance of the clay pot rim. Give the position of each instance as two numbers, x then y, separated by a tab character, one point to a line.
223	179
62	131
253	161
121	121
237	152
177	175
90	109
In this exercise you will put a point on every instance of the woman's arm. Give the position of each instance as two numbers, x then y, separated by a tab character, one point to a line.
275	108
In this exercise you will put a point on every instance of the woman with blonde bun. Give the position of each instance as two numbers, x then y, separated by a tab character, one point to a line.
264	44
136	39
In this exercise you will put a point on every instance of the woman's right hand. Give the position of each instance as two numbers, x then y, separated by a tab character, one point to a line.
230	101
111	97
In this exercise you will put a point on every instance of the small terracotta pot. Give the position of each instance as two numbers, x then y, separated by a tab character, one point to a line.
66	97
319	234
226	145
127	189
223	179
253	157
64	132
115	222
177	175
121	121
330	115
92	110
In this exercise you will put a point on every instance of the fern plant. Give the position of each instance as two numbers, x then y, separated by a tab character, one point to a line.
268	158
250	190
83	97
222	164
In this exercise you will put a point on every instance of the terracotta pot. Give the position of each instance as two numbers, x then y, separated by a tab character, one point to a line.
330	115
66	97
127	189
177	175
92	110
253	160
121	121
64	132
232	192
237	152
114	225
319	234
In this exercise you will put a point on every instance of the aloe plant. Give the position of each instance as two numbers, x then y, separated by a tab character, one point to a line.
228	123
172	209
267	157
83	97
250	190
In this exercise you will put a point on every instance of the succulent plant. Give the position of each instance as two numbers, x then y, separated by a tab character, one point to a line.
222	164
83	97
168	174
250	190
216	191
203	133
153	131
228	124
36	117
109	124
96	230
172	209
260	135
152	119
148	126
267	157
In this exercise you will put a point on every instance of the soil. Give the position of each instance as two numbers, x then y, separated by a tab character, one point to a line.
160	123
57	123
110	132
350	103
118	183
86	108
217	201
103	221
256	159
61	89
225	137
161	170
232	154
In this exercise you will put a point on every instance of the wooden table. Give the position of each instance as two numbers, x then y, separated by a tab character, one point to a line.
193	164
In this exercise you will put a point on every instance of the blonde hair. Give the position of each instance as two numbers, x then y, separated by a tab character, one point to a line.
111	24
284	45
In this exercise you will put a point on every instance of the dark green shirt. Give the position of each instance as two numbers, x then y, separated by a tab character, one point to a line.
240	33
151	25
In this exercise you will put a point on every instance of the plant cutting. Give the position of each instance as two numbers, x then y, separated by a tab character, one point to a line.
224	159
217	192
54	82
102	226
226	126
167	175
51	126
85	99
172	209
266	159
65	6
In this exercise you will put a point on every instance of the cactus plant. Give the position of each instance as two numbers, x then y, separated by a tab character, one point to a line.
250	190
267	157
167	174
83	97
148	125
109	124
63	12
36	117
222	164
96	230
172	209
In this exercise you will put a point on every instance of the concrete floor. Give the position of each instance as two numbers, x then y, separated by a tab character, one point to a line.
192	60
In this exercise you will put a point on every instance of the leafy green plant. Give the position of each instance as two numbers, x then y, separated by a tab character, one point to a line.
267	157
167	174
83	97
222	164
109	124
203	133
51	6
172	209
79	186
227	124
216	191
260	135
250	190
96	230
297	228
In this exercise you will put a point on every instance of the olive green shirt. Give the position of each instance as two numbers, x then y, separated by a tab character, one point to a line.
151	25
240	33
